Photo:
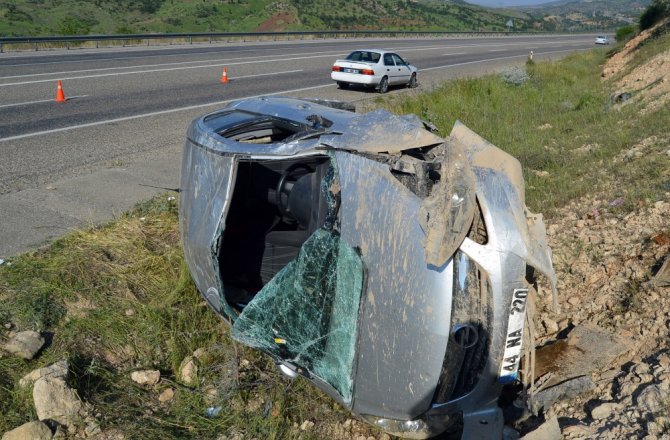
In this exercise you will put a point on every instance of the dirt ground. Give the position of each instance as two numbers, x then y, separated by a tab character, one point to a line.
614	279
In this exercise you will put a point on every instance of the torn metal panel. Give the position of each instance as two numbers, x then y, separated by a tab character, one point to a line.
381	132
532	247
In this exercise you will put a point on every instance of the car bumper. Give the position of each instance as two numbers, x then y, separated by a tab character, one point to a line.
354	78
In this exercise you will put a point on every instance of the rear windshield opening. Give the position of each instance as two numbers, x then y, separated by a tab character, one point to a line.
247	127
364	56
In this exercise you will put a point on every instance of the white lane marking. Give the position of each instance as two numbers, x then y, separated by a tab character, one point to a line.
144	71
259	59
496	50
162	112
496	59
457	53
41	101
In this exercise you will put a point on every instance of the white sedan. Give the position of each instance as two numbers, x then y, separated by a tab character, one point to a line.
373	68
601	39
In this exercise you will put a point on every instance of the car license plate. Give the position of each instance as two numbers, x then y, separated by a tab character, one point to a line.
514	338
350	71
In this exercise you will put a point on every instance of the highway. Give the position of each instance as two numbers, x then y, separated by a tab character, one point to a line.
127	110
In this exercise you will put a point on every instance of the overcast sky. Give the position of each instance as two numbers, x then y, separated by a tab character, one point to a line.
501	3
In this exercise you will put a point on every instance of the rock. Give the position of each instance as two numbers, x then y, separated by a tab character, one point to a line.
29	431
54	400
550	325
577	430
146	377
588	349
662	277
57	370
563	391
188	371
651	399
605	410
549	430
307	424
166	395
25	344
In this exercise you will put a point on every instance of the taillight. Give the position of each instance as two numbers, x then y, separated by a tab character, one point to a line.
367	72
337	69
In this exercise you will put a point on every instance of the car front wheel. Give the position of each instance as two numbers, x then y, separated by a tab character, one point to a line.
412	81
384	85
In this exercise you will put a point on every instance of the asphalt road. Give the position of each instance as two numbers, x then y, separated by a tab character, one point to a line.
116	139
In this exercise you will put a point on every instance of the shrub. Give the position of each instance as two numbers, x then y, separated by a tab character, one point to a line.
73	26
654	13
625	33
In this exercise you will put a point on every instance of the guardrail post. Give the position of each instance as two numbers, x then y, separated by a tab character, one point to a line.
190	40
67	45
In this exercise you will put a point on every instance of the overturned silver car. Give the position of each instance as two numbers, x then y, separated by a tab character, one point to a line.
384	263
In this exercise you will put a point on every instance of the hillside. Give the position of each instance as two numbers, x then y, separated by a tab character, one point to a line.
73	17
579	15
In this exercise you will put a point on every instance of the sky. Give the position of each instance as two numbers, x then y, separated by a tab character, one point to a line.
502	3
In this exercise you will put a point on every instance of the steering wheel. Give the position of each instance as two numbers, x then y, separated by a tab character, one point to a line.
284	179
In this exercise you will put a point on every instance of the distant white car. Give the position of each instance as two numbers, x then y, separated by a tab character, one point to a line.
374	68
601	39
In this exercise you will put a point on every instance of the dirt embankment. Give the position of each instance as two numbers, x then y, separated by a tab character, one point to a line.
648	83
613	268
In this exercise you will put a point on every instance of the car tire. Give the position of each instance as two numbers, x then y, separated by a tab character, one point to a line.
383	85
342	85
412	82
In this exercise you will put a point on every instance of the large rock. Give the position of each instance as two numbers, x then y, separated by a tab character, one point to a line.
564	391
605	410
58	370
188	371
25	344
54	400
29	431
146	377
652	399
549	430
588	349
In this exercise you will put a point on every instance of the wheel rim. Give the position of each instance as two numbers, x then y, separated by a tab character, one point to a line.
384	85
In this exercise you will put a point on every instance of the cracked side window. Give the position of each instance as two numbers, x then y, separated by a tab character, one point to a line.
307	314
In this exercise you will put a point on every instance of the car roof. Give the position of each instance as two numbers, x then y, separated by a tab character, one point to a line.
371	50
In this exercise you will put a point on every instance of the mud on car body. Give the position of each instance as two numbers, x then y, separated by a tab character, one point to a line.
382	262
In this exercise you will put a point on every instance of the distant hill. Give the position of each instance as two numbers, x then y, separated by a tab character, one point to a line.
578	15
72	17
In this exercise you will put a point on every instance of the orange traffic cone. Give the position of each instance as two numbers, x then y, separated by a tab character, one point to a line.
224	76
60	96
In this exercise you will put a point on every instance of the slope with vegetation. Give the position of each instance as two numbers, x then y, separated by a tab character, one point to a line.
585	15
77	17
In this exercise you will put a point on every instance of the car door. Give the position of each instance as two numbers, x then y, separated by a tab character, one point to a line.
390	68
403	70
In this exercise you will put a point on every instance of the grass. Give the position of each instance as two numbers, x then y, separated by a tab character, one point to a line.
560	124
118	298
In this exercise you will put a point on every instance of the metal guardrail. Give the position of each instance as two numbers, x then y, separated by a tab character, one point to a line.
81	41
